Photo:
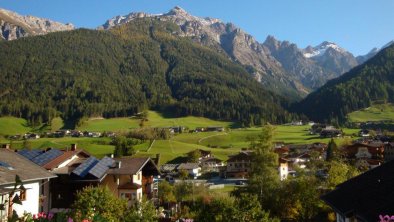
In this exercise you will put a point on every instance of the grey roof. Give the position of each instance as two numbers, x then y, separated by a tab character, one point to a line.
19	165
83	169
188	166
47	157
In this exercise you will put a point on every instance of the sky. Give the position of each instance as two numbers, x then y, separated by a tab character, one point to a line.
356	25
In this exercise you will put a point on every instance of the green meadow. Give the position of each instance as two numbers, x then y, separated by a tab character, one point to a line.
155	119
377	112
222	144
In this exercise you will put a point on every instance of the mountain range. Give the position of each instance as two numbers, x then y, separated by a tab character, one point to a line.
279	66
193	65
359	88
14	26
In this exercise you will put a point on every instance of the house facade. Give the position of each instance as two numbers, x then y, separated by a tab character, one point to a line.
238	166
366	156
32	190
193	169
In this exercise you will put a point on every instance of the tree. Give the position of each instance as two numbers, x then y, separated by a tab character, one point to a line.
27	144
194	156
332	151
94	202
263	176
166	192
123	146
339	172
142	211
299	198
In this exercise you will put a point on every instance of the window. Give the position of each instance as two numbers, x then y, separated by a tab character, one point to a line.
22	194
139	176
126	196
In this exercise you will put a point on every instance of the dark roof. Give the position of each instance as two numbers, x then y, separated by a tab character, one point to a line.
211	159
243	155
133	165
47	157
365	196
19	165
129	186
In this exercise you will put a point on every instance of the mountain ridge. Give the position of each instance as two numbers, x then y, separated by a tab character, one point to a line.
14	26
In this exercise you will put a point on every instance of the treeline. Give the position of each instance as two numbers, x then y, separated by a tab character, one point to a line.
123	71
357	89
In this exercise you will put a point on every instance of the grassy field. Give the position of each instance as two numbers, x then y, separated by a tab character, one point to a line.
222	144
13	126
96	146
155	119
377	112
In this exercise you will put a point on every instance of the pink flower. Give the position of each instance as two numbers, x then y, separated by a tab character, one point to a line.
50	216
70	220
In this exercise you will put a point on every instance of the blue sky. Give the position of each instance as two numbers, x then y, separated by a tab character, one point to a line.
356	25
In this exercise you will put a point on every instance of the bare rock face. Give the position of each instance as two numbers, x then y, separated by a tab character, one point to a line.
14	26
225	37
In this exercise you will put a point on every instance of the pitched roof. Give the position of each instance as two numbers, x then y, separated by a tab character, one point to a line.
243	155
129	186
63	157
133	165
19	165
188	166
365	196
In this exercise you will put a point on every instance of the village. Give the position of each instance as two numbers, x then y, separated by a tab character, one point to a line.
51	177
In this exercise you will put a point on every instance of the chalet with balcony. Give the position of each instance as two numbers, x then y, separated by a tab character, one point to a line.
238	166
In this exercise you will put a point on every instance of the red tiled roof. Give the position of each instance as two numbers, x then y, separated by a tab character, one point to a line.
351	150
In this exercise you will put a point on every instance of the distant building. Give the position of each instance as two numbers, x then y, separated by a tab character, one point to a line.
238	166
366	156
389	151
283	168
193	169
366	197
211	164
330	133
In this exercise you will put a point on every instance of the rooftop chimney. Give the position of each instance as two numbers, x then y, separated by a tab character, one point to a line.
73	147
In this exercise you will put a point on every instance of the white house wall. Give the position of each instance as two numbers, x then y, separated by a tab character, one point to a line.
31	204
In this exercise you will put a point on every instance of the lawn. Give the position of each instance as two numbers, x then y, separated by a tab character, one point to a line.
13	126
113	124
377	112
155	119
98	147
176	151
159	120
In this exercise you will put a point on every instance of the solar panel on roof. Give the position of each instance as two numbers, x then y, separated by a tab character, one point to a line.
47	157
101	167
5	165
30	154
83	169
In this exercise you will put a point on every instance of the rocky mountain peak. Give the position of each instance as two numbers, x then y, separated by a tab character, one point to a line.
271	42
14	26
177	11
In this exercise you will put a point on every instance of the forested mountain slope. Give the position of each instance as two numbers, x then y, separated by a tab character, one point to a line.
124	70
357	89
